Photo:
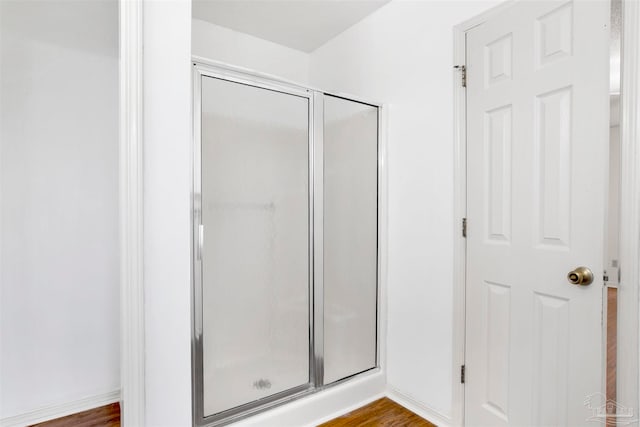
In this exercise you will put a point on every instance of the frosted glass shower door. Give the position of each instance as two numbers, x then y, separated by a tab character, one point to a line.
255	251
350	237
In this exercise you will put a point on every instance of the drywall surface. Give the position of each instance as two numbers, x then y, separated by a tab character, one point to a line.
243	50
402	55
59	312
167	212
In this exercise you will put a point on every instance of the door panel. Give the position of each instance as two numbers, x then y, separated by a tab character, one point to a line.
499	203
552	174
350	237
255	257
537	156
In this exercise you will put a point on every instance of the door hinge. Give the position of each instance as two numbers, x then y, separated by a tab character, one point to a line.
462	374
463	74
464	227
611	276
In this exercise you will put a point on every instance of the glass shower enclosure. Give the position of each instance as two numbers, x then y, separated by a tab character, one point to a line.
285	232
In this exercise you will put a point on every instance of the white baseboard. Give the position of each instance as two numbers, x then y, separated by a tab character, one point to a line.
61	410
429	414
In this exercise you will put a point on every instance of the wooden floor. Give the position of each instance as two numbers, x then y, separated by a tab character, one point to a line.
612	347
381	413
108	416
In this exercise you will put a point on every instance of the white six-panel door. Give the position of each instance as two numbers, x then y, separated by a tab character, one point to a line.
537	138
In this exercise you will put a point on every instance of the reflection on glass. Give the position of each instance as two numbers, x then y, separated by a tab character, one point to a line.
350	237
255	264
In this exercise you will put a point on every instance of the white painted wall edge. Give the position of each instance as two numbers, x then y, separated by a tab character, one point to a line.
132	332
628	302
168	177
383	235
426	412
61	410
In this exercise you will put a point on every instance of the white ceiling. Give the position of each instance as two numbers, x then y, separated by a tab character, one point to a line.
299	24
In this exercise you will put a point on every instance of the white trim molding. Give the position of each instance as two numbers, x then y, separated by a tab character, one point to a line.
383	235
628	302
459	243
132	339
52	412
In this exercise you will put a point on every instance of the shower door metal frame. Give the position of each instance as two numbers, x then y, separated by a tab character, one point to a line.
203	68
233	414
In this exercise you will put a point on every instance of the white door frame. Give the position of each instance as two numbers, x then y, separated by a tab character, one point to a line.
629	305
132	349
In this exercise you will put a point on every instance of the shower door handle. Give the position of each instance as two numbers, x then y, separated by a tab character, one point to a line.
200	240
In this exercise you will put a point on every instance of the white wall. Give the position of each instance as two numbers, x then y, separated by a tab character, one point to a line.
167	211
403	55
232	47
59	312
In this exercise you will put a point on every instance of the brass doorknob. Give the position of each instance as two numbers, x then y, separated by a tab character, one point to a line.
580	276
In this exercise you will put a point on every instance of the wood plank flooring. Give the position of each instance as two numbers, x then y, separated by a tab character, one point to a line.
612	347
381	413
104	416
